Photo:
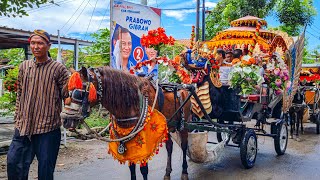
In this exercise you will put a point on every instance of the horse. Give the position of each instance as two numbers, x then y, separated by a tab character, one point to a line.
120	93
296	113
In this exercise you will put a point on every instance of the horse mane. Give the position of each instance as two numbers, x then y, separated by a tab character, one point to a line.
121	91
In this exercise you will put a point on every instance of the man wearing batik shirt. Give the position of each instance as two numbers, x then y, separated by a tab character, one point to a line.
38	108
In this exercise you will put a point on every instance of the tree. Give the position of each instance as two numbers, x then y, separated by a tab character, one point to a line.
16	8
99	53
292	14
295	14
16	55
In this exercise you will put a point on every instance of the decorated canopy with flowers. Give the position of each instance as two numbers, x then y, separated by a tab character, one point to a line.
249	32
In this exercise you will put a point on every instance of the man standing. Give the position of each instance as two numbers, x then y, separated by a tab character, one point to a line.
38	108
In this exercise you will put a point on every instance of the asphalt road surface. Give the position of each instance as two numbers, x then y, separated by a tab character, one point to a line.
301	161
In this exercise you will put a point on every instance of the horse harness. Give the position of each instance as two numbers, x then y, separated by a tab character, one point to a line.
177	97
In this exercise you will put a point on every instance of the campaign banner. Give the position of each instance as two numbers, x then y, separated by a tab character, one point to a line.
129	22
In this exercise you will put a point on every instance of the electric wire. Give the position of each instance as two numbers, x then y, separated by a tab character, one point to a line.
91	19
77	17
72	15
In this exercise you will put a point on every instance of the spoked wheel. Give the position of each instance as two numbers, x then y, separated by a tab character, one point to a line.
249	149
221	136
281	140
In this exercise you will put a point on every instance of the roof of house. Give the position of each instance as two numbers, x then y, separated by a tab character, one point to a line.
18	38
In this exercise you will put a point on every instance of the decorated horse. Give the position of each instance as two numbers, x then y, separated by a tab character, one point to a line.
139	109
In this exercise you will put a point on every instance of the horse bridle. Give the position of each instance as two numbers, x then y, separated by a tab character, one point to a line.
81	95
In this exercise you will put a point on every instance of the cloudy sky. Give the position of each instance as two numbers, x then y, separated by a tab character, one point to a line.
73	18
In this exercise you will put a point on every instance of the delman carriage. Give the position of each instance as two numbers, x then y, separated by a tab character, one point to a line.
144	111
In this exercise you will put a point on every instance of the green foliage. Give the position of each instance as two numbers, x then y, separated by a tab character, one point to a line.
16	8
91	56
8	100
66	56
16	55
295	14
99	53
7	104
96	120
171	51
167	74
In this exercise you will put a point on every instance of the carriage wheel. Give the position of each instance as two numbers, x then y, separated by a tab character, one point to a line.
248	149
221	136
281	140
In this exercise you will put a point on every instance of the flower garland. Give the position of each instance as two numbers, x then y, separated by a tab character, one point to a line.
277	75
192	38
181	72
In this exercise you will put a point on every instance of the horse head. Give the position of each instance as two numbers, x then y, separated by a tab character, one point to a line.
82	90
119	92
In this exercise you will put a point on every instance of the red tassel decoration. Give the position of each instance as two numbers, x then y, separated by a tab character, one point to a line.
75	82
92	93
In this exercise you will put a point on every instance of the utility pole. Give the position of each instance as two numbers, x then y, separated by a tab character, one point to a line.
59	59
144	2
197	20
203	19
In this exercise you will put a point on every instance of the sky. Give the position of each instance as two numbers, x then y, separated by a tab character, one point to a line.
79	18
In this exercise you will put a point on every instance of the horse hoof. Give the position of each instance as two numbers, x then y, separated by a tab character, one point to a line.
166	178
291	137
298	139
184	177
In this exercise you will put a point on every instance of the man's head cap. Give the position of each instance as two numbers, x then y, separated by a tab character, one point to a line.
41	33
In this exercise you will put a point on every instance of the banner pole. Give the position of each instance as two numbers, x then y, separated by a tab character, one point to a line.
111	30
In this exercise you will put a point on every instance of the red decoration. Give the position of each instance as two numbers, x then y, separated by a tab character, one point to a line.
75	82
156	38
92	93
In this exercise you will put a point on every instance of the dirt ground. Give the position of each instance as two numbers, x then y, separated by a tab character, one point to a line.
76	153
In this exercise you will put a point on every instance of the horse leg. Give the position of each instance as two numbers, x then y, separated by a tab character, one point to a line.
184	146
301	117
144	171
292	124
298	128
169	147
132	168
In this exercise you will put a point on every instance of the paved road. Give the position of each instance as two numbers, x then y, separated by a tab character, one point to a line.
302	161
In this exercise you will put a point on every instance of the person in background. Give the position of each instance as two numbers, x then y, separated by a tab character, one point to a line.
37	116
220	56
237	54
228	60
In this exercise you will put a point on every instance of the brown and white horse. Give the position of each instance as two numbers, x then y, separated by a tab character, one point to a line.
119	93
